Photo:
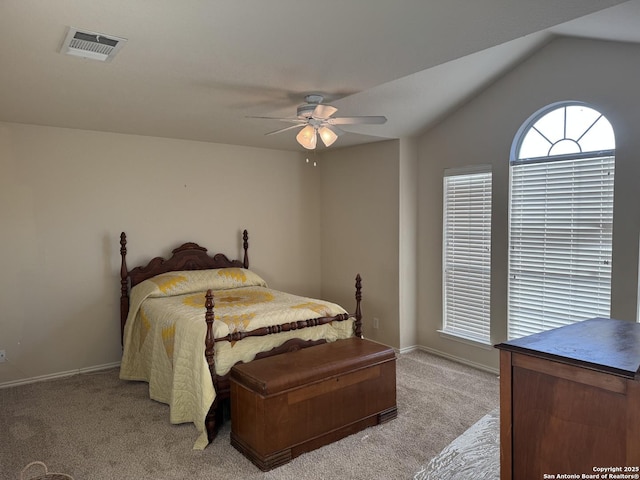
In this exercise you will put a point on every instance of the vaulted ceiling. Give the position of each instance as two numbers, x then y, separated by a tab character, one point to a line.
196	69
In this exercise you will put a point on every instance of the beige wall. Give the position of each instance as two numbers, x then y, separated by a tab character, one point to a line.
408	239
369	225
65	197
604	74
360	221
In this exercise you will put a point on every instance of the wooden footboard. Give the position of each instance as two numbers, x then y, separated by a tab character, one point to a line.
285	327
191	256
221	383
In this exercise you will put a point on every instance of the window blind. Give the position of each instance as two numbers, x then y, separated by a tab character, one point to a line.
561	219
467	255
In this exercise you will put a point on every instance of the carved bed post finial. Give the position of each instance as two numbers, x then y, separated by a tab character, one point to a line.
245	245
358	322
124	287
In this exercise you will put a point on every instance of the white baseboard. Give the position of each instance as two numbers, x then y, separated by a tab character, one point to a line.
54	376
408	349
107	366
454	358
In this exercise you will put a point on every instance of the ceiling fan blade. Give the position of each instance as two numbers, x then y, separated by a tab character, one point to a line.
289	120
336	130
285	129
373	120
323	111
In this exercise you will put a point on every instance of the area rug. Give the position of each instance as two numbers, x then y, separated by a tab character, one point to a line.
474	455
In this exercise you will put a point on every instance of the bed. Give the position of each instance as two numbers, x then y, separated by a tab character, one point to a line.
186	320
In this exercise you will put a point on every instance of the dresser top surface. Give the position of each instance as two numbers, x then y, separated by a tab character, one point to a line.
604	344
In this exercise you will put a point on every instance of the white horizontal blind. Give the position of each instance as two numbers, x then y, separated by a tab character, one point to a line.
561	219
467	255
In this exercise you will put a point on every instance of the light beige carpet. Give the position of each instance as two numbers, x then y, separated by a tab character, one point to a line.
96	426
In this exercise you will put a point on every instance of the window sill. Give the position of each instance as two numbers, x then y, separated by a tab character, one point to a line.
466	340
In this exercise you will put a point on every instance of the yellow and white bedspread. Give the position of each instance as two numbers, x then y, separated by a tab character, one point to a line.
164	337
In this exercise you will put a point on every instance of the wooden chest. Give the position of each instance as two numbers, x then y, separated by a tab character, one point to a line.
285	405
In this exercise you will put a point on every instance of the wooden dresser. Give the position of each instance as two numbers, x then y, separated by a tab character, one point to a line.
570	401
285	405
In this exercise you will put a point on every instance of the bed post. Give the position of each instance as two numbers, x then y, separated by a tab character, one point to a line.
358	322
245	245
209	342
214	417
124	287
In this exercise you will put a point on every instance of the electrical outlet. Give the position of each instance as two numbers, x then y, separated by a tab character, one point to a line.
3	356
376	322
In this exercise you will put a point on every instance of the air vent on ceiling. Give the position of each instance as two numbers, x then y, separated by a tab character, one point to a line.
91	45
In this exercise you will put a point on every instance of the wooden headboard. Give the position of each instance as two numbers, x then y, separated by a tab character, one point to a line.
188	256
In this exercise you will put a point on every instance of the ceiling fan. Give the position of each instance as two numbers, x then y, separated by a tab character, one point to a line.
316	119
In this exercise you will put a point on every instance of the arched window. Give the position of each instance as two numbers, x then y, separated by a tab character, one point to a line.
560	219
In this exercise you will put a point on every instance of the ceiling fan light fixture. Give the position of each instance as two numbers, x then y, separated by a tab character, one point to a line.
327	135
307	137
